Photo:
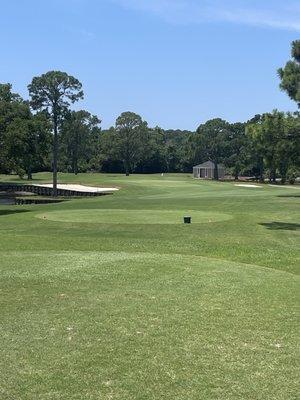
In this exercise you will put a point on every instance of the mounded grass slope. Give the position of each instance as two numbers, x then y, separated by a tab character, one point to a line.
100	303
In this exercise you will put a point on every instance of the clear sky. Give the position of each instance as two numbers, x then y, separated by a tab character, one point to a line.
175	62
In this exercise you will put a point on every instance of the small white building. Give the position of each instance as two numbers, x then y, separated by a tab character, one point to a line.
207	170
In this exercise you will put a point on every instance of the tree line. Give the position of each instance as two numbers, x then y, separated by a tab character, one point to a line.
44	133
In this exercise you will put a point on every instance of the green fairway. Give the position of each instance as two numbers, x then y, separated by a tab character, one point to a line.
114	297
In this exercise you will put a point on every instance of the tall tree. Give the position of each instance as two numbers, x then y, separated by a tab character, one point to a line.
130	132
79	133
237	147
53	92
151	158
108	158
6	94
177	150
28	143
212	139
288	149
12	107
290	74
266	135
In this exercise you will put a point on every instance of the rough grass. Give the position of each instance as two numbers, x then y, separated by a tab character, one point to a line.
95	305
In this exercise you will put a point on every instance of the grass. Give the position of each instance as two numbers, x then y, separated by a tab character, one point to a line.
113	216
114	297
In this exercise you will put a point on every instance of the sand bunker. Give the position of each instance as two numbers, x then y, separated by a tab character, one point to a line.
80	188
248	185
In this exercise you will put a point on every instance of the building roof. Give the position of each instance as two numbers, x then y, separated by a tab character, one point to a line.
208	164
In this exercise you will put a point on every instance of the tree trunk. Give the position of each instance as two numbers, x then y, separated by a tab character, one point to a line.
236	175
29	174
273	175
216	171
126	167
283	171
261	171
76	155
75	167
55	154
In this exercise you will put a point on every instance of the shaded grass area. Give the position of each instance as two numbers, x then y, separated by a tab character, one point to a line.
148	309
289	226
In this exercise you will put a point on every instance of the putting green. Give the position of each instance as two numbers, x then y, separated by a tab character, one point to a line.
116	216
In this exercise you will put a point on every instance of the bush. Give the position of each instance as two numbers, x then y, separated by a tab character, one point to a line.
292	175
20	172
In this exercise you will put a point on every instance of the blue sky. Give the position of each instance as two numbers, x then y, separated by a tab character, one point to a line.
177	63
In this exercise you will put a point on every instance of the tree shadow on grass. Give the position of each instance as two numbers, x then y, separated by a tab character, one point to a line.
289	195
8	212
287	226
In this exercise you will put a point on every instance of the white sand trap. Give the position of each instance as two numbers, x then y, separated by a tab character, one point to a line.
80	188
248	185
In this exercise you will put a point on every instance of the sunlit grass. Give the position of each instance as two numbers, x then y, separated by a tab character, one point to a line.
115	298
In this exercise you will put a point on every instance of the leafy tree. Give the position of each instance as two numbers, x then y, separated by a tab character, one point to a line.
266	135
12	107
152	154
107	158
80	132
53	92
237	149
157	151
130	132
255	163
212	141
6	94
177	150
28	142
288	149
290	74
